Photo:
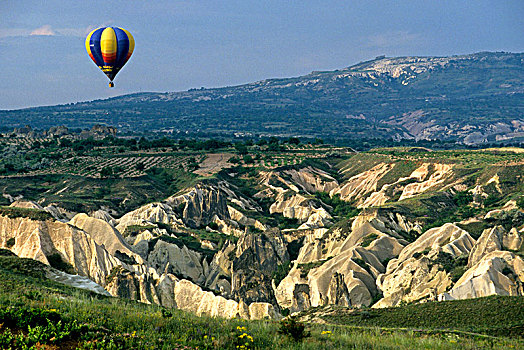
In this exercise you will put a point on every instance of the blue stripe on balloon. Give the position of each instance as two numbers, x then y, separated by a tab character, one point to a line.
94	44
122	48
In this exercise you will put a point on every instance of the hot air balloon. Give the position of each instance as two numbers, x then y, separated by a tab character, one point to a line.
110	49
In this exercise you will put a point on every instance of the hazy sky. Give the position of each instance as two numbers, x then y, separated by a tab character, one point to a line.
186	44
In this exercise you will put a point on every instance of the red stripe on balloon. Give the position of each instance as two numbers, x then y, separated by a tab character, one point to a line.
109	58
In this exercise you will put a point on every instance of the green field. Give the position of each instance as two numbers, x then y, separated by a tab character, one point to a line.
40	314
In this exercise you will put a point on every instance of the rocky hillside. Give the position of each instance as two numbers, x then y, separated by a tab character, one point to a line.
381	228
473	98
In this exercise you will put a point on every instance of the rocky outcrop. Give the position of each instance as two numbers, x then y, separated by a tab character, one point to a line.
428	176
179	261
296	206
45	240
220	270
105	235
256	258
362	184
498	272
148	214
417	273
200	205
312	180
339	266
191	297
242	219
20	203
493	239
103	215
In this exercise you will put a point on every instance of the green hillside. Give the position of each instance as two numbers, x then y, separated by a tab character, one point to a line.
39	314
472	98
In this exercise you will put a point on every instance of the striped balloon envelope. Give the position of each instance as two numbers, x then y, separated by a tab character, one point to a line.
110	49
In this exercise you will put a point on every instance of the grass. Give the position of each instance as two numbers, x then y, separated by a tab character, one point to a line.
33	214
38	311
493	316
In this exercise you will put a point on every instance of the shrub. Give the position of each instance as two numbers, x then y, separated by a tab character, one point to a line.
56	261
106	172
166	313
213	226
281	272
456	273
10	242
491	200
463	198
294	329
520	202
369	239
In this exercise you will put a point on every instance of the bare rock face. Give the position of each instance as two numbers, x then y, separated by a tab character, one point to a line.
489	241
228	226
493	239
190	297
105	235
449	238
220	270
98	132
428	175
147	215
417	273
201	204
257	256
513	240
179	261
26	204
360	185
497	272
320	218
104	215
365	189
339	266
59	213
412	280
312	180
240	218
41	240
295	206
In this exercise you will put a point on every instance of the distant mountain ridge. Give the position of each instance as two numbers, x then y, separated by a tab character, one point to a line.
470	98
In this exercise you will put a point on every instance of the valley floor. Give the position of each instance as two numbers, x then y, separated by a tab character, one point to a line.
37	313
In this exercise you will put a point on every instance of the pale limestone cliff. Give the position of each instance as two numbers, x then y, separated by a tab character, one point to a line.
497	272
312	180
41	239
147	215
105	235
360	185
416	274
179	261
200	204
334	267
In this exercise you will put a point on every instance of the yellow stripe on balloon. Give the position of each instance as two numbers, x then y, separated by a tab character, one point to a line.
108	45
131	42
88	40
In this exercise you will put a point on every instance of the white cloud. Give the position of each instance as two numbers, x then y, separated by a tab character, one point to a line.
47	30
393	39
13	32
43	30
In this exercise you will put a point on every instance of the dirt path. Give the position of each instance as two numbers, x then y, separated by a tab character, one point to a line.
214	163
